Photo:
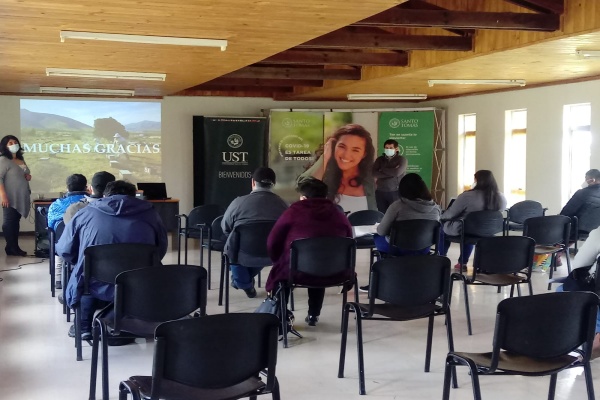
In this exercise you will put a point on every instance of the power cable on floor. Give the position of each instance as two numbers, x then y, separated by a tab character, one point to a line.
20	266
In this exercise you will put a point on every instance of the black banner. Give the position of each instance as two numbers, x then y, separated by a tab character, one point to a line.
226	152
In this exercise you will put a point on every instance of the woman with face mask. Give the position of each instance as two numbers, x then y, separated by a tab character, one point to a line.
14	192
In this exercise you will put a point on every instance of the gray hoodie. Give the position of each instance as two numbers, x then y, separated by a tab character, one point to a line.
404	209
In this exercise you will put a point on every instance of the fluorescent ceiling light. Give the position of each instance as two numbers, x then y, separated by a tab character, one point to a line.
116	37
588	53
92	73
383	96
509	82
95	92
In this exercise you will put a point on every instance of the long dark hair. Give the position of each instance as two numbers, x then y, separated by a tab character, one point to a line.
6	152
333	174
485	181
412	187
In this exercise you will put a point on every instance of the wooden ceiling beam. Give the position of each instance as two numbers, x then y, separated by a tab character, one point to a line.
541	6
422	5
240	88
317	57
295	73
345	38
397	17
262	82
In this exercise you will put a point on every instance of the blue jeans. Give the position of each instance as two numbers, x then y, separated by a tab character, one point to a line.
560	289
465	251
242	277
384	247
89	304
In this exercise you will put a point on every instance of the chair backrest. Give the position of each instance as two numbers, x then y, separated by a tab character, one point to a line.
522	210
548	230
483	223
545	325
410	280
504	254
58	231
205	214
160	294
215	351
104	262
589	219
250	240
322	256
216	230
415	234
365	217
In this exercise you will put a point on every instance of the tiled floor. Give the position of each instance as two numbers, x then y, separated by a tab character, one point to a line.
37	359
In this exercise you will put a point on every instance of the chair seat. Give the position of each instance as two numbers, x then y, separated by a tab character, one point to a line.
515	226
514	363
541	249
398	313
468	239
216	245
365	242
499	279
134	326
176	391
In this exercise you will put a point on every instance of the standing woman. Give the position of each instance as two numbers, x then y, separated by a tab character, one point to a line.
14	192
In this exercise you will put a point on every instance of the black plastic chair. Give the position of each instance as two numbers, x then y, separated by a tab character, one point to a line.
211	358
551	234
519	212
409	288
499	261
104	262
366	217
54	235
332	259
195	225
476	225
145	298
534	336
245	241
415	235
215	241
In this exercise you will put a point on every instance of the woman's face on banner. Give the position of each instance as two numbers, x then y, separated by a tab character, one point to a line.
349	151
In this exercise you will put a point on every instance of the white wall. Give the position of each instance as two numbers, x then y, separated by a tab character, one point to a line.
544	134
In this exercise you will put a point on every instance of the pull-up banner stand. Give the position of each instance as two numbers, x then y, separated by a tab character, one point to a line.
226	152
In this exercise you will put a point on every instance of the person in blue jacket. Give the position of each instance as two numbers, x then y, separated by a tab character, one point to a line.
119	217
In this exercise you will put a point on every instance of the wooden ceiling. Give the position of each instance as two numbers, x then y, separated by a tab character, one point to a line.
309	50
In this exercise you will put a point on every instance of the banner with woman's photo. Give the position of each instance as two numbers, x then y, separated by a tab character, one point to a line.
336	147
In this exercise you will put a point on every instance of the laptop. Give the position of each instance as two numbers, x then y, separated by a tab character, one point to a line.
154	191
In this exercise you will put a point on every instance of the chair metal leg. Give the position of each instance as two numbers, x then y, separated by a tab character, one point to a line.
282	316
104	343
275	392
551	269
343	341
450	336
292	300
209	265
179	247
467	310
568	258
589	383
447	374
226	288
222	279
428	348
552	388
474	380
94	366
499	290
361	357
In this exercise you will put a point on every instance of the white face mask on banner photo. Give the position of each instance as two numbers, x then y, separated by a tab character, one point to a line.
389	152
13	148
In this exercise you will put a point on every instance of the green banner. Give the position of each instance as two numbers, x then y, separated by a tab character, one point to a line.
414	132
226	153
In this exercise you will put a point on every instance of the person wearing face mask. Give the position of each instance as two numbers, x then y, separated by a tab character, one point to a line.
388	169
14	192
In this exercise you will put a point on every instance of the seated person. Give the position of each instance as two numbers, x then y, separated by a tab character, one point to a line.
415	202
585	257
76	190
314	215
119	217
484	196
583	199
99	182
261	204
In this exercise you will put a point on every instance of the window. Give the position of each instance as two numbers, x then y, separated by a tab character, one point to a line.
515	156
466	152
577	143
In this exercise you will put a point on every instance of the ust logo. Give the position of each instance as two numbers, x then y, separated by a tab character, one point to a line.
234	141
394	123
235	157
287	123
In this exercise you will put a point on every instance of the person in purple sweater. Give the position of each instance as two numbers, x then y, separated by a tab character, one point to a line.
313	216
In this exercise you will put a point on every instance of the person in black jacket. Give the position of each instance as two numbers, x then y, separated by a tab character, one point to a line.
388	169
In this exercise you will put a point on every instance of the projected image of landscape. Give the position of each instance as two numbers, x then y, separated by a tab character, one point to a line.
63	137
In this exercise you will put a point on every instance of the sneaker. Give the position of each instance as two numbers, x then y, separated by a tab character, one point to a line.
61	300
311	320
58	284
84	335
251	293
460	267
364	289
